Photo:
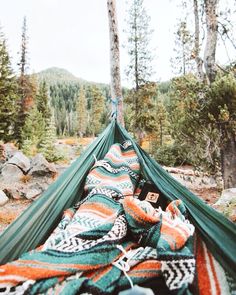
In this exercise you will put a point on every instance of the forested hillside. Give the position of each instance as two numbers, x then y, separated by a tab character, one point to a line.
64	92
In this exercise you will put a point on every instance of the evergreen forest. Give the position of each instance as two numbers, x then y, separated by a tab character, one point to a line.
190	119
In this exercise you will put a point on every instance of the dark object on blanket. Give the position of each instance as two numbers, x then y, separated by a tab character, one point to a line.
151	194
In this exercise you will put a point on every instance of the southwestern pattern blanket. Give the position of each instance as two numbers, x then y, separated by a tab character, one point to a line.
109	241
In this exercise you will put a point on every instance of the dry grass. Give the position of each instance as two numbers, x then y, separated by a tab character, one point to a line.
11	210
7	217
85	140
25	178
69	140
54	176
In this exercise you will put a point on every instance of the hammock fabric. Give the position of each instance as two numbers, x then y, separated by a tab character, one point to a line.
34	226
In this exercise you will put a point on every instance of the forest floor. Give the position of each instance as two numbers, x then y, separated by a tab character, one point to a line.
13	208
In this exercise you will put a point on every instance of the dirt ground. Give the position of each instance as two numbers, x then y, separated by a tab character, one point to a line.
11	210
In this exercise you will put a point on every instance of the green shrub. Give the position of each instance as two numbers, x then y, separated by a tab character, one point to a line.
170	155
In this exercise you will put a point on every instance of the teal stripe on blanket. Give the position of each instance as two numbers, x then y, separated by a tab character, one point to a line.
107	253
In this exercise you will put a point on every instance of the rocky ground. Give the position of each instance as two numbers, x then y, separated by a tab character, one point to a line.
202	185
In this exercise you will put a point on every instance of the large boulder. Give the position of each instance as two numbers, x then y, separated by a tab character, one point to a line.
15	192
41	167
227	196
10	150
227	203
35	189
3	156
21	161
3	198
32	193
11	173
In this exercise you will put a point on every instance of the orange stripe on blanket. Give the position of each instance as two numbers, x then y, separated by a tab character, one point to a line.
122	153
218	290
149	268
112	177
29	272
120	158
142	274
137	212
203	278
147	265
108	217
176	237
101	273
96	207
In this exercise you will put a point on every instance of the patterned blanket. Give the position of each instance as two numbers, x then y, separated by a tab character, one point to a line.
211	277
109	241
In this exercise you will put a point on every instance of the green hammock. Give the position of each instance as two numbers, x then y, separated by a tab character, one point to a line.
34	225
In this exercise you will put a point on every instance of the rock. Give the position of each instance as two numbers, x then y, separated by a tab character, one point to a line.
227	196
10	150
32	193
15	193
35	189
3	156
11	173
41	167
20	160
3	198
193	182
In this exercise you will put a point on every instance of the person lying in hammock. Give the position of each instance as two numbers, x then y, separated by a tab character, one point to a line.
109	241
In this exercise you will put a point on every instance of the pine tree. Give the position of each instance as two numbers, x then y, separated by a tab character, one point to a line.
142	116
162	122
43	102
140	66
23	58
81	111
140	69
183	61
8	96
97	110
47	145
34	127
26	86
28	147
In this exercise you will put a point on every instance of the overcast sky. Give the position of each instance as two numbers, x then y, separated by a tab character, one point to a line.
73	34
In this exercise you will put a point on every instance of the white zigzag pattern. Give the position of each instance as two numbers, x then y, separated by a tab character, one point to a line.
178	272
74	244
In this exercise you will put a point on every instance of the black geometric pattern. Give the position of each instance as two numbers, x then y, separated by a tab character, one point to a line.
178	272
74	244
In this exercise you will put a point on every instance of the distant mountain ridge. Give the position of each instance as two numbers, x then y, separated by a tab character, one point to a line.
55	75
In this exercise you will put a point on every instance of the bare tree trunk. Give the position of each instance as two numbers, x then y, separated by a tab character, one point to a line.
198	60
184	59
116	93
228	161
210	49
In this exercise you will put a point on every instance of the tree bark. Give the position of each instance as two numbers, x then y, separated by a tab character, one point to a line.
228	161
198	60
211	41
116	92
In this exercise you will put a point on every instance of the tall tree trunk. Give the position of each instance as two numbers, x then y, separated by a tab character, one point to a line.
161	133
198	60
136	54
184	59
211	41
228	160
116	93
